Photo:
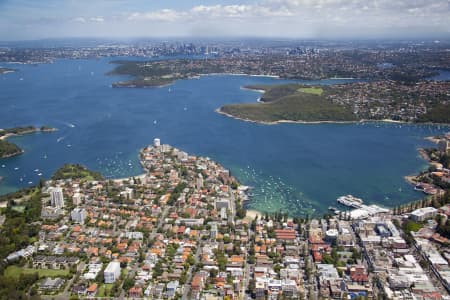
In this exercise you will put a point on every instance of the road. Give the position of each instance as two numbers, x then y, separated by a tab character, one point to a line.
187	285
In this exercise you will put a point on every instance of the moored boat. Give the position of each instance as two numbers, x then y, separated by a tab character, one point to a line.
350	201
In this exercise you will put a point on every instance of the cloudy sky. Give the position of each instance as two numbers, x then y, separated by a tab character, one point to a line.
35	19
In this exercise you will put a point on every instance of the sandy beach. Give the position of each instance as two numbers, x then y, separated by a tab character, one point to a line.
4	137
251	214
141	176
411	179
219	111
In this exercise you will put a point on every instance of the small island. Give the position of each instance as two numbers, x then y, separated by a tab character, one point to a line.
8	149
6	70
423	102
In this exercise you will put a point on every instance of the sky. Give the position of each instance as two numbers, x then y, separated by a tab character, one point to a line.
308	19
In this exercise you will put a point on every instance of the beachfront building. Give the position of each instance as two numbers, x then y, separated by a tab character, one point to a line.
421	214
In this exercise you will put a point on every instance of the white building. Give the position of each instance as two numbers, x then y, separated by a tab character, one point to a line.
183	156
112	272
421	214
77	198
128	193
78	215
93	270
199	181
156	142
57	197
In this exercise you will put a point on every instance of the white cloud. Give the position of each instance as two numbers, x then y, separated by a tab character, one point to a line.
97	19
211	12
79	20
165	15
286	18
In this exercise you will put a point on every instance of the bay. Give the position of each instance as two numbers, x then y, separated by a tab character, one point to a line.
297	168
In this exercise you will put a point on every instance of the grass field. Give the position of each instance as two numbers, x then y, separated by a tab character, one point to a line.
15	271
311	90
18	208
104	289
412	226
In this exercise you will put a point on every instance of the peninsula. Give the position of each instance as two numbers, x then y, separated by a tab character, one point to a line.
436	179
160	73
291	102
8	149
180	231
366	64
425	101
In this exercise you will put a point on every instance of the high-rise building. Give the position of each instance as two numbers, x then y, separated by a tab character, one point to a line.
112	272
57	197
78	215
77	198
199	182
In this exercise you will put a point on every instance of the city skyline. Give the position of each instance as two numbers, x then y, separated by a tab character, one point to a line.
25	19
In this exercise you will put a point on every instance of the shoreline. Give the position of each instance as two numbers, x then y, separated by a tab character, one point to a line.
117	85
253	90
412	179
219	111
13	154
240	74
433	139
25	132
258	100
140	176
8	135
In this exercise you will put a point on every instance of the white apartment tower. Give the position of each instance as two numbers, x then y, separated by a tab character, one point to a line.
57	197
112	272
78	215
156	142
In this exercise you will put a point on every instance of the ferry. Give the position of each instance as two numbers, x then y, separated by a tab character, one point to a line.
350	201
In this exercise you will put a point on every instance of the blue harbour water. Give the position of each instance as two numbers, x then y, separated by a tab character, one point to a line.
293	167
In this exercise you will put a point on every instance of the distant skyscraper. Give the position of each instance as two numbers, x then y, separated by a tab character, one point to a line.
156	142
57	197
